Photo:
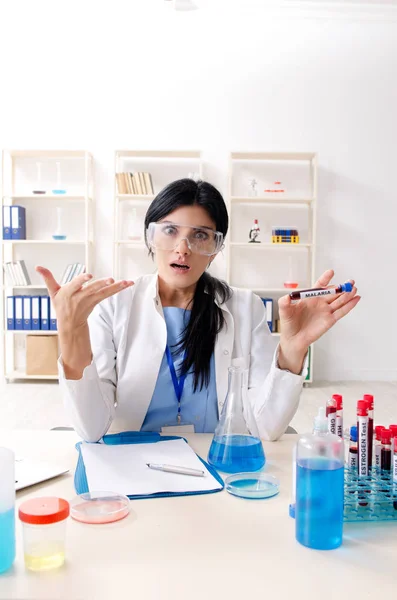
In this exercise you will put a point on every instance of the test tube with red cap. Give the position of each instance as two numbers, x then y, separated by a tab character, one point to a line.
339	414
378	445
393	429
395	471
370	399
395	460
385	453
362	436
330	412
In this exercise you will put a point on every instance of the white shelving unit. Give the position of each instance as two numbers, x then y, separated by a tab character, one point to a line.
19	179
130	255
264	267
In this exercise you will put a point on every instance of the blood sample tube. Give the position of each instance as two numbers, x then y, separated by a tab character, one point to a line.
339	414
362	437
385	453
330	412
393	429
370	399
378	446
352	459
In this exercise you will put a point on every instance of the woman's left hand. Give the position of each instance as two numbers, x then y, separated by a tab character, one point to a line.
305	321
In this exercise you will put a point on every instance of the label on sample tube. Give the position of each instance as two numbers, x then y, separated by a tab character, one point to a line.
332	422
352	459
313	294
339	423
362	426
378	448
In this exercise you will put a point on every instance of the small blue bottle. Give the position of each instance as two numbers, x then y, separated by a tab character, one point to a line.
7	509
319	487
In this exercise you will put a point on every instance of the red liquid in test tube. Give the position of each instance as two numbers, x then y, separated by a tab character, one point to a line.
378	445
370	399
395	471
393	429
385	453
362	437
395	460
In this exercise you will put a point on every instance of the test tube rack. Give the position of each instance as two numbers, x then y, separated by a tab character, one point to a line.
371	498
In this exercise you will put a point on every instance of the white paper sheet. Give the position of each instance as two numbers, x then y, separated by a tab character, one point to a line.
123	469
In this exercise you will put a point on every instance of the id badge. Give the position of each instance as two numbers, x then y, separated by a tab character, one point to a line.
178	429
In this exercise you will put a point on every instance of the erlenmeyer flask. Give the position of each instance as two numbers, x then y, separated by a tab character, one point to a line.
236	445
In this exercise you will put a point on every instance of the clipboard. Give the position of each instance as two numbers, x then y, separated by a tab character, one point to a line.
139	437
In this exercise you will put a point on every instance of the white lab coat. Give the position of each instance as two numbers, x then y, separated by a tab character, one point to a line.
128	339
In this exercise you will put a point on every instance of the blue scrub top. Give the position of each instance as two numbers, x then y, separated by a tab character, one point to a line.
198	408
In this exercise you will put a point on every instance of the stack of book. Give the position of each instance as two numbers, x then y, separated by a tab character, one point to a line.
140	184
16	273
72	271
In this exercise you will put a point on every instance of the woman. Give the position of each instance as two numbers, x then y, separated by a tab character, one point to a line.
124	344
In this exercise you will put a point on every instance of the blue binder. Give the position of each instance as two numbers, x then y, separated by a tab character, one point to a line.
10	312
36	312
44	312
53	317
18	312
27	312
18	223
268	302
6	222
138	437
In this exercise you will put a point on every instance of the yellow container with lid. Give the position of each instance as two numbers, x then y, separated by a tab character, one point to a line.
44	532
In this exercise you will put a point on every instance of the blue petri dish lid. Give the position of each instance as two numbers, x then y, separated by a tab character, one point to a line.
252	485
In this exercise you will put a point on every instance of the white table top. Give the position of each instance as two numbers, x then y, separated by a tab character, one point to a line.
210	546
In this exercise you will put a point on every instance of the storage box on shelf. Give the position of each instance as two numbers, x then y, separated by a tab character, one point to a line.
51	193
272	235
139	176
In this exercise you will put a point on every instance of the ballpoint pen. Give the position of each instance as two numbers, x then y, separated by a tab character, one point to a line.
176	469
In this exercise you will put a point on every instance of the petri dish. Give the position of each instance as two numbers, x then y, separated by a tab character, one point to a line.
252	485
99	507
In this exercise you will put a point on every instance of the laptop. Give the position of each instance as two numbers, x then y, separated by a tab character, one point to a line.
29	472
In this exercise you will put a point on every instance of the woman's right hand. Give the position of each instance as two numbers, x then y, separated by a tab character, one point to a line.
74	301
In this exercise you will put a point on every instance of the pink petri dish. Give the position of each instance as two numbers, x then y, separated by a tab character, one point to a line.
99	507
292	285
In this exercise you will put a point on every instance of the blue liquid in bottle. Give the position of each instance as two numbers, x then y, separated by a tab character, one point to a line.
319	503
235	453
7	539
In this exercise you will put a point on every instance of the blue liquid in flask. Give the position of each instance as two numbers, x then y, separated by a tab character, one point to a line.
319	503
7	539
236	453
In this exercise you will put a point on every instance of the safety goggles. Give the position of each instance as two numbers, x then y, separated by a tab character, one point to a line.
168	236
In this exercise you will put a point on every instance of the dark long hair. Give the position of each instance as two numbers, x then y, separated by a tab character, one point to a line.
206	319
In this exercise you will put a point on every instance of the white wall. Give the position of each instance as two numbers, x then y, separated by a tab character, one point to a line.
231	76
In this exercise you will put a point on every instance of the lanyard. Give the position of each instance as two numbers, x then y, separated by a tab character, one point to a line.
178	385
